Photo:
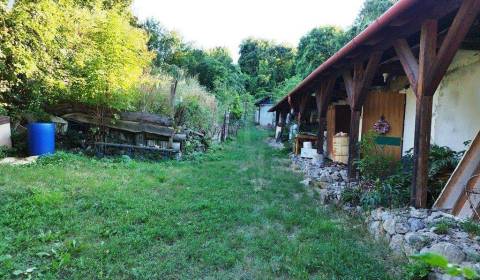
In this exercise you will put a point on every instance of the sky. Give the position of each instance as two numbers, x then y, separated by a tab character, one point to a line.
225	23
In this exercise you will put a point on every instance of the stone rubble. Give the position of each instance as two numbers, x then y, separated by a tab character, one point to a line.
274	144
408	231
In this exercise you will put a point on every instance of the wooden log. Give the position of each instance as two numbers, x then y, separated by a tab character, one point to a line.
146	118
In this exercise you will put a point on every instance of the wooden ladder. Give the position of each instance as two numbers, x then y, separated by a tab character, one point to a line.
461	195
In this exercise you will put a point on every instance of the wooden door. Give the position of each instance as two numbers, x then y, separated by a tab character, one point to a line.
390	105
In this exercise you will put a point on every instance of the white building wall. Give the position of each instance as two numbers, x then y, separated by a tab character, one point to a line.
456	105
5	135
266	118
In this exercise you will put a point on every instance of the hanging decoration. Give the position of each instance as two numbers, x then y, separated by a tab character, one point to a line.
381	126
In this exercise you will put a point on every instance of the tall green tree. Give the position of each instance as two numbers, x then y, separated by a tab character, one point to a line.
265	64
316	47
371	10
59	50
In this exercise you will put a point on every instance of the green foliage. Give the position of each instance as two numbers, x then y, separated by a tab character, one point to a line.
374	163
435	261
3	152
442	161
472	227
65	51
266	65
196	108
371	10
443	226
416	270
316	47
286	86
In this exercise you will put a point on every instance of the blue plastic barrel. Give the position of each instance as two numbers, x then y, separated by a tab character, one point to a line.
41	138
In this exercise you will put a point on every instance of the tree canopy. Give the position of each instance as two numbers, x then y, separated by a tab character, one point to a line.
62	50
316	47
266	65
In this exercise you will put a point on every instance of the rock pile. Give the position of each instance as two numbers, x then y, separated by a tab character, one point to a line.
328	179
408	231
412	231
274	144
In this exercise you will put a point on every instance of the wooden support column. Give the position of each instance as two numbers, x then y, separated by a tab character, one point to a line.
357	87
322	98
425	77
301	110
283	122
277	118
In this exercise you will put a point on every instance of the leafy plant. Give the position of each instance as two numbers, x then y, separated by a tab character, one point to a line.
374	163
441	163
416	270
471	227
443	226
435	261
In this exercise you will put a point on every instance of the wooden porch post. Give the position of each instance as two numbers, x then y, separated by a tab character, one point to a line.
301	110
283	121
322	98
357	89
425	77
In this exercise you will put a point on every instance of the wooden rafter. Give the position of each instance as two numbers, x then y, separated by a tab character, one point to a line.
464	19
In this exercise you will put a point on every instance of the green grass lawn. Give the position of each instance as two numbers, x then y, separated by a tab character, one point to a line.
238	213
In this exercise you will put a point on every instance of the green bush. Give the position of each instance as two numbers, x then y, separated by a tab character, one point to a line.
442	161
472	227
443	226
438	262
416	270
374	163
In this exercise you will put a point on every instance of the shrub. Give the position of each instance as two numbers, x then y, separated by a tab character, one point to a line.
442	163
443	226
438	262
472	227
374	163
416	270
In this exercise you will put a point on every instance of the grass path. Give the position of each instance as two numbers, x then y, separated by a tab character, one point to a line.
238	213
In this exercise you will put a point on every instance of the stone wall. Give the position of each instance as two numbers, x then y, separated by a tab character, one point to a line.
407	231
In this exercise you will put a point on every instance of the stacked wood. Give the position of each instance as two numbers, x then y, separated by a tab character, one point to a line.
130	126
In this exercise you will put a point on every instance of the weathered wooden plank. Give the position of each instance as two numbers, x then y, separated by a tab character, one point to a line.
133	127
146	117
453	196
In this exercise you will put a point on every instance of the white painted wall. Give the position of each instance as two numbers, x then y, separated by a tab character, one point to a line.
266	118
456	105
5	139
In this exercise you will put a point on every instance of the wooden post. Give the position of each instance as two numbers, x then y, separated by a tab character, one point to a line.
357	87
321	135
301	111
353	153
322	98
425	77
283	121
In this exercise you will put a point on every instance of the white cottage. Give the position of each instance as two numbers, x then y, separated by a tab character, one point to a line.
262	115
